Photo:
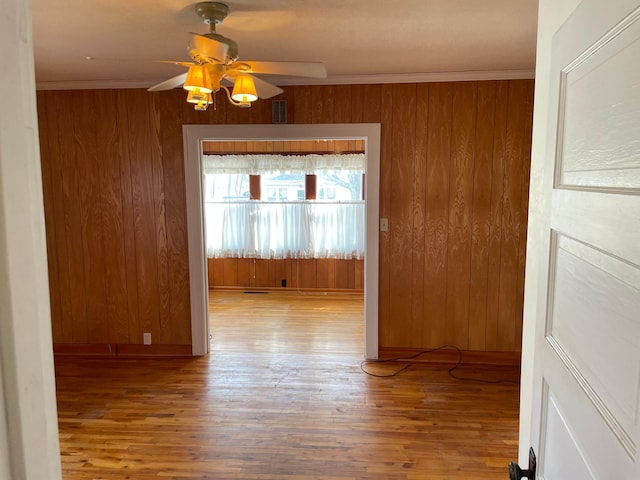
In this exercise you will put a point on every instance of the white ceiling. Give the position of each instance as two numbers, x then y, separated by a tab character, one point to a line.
359	41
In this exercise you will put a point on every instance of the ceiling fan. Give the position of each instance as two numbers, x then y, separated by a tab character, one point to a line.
215	63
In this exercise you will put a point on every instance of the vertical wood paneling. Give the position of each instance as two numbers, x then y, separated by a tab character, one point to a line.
89	190
497	204
307	272
460	203
109	156
524	208
260	112
128	218
322	101
419	211
481	215
144	211
351	273
342	104
400	210
341	274
359	274
230	271
322	273
261	272
454	179
217	275
164	326
245	271
437	214
300	107
385	112
175	208
357	103
511	216
73	218
236	115
279	273
331	272
48	191
59	233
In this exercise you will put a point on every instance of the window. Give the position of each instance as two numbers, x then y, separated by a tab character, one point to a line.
285	184
225	187
340	185
284	224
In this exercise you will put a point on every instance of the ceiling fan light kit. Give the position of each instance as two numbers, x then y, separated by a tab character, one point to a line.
215	58
198	80
200	100
244	90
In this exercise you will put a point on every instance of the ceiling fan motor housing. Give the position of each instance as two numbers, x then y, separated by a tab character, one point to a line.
212	13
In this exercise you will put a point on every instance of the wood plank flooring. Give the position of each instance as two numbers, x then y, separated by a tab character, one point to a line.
282	396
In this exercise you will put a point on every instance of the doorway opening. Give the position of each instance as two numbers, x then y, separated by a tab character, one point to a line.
194	137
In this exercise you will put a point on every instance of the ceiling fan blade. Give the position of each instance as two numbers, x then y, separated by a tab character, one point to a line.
207	48
264	89
175	62
294	69
173	82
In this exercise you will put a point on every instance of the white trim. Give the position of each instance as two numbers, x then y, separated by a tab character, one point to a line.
417	77
198	282
29	420
193	136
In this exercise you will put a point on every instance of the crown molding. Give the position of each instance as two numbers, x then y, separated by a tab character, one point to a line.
331	80
407	78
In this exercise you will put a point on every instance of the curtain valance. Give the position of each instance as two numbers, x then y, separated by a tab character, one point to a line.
290	163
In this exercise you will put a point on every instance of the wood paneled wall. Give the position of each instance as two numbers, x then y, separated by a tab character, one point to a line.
282	147
321	273
113	186
454	183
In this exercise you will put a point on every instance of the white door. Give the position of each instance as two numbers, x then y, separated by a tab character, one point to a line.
585	409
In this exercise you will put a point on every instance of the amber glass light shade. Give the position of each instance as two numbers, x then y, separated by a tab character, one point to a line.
198	80
244	90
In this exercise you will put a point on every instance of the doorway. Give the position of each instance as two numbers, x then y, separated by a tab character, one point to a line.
193	138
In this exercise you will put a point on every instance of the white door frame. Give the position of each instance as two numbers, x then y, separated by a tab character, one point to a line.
28	417
193	135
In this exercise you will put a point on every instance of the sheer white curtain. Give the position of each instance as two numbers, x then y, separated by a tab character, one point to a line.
307	229
285	230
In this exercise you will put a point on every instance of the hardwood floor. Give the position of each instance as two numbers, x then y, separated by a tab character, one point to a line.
282	396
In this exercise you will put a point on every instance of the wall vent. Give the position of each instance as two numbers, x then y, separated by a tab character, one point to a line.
279	111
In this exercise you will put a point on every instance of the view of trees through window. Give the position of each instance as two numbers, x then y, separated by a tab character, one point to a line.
226	187
339	185
331	185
